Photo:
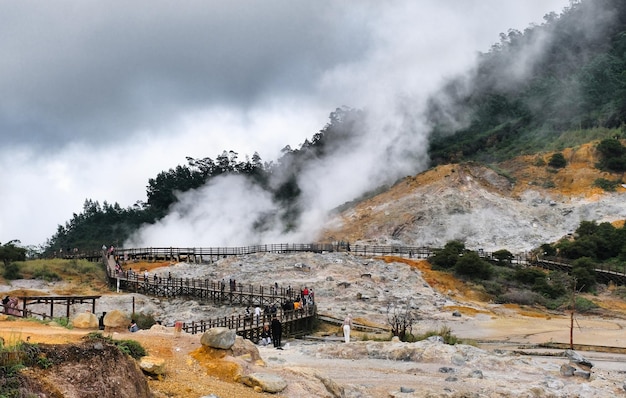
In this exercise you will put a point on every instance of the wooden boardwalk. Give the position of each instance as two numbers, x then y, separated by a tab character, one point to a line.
295	322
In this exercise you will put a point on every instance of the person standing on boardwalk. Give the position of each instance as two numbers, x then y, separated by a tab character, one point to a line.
347	326
277	332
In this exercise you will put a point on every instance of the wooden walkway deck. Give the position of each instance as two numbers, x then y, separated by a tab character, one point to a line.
295	322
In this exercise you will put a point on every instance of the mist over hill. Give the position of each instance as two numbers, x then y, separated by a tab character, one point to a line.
543	89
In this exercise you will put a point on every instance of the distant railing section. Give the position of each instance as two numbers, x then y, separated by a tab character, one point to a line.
204	254
615	273
195	254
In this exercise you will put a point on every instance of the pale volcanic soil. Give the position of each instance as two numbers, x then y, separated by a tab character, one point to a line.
494	365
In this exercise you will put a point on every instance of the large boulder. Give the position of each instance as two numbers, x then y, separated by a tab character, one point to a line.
222	338
264	382
152	365
85	320
246	350
116	320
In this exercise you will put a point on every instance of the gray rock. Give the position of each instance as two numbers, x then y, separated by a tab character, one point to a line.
266	382
554	384
446	370
222	338
476	374
582	373
407	390
567	370
578	359
457	360
435	339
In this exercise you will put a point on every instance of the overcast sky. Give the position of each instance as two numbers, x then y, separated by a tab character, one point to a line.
98	97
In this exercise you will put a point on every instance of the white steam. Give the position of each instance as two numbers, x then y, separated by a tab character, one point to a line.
413	49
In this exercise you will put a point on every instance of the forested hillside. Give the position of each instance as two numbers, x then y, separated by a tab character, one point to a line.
538	89
552	86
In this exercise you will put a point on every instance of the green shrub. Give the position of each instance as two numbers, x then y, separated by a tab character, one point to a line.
144	321
607	185
63	321
521	297
528	276
12	271
131	347
493	288
504	257
444	332
447	257
547	289
584	305
472	266
584	274
557	161
46	274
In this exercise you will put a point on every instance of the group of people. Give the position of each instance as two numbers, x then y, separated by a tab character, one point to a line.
10	305
272	333
307	296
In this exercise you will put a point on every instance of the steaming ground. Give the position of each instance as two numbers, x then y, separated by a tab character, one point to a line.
364	287
482	208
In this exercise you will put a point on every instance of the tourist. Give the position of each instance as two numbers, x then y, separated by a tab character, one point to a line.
305	295
11	305
101	321
277	332
347	326
266	335
133	326
257	313
247	318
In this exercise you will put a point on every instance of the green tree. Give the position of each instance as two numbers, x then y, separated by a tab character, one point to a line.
10	252
447	257
504	257
612	155
547	249
584	274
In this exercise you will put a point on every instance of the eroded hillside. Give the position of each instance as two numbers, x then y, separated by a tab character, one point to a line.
516	205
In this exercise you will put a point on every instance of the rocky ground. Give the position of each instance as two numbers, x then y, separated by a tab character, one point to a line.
495	365
517	205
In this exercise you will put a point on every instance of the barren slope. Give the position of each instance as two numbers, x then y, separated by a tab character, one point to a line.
516	205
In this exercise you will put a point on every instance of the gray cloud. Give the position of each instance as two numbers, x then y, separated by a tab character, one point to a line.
99	97
74	70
